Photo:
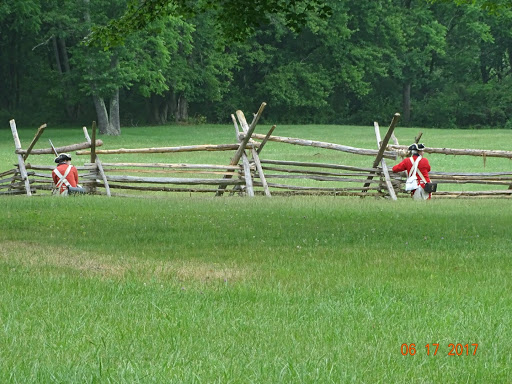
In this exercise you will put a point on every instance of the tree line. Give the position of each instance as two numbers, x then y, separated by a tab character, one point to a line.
440	64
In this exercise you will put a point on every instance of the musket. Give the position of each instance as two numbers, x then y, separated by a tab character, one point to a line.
54	150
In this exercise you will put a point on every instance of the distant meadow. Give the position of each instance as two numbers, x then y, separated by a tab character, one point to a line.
189	288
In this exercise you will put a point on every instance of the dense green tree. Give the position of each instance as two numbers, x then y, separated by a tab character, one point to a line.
20	23
470	88
60	33
80	72
323	72
423	42
493	6
237	18
104	73
189	63
439	63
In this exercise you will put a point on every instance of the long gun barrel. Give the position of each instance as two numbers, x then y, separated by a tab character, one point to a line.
54	150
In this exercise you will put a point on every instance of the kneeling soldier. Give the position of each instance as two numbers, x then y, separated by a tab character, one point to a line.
65	176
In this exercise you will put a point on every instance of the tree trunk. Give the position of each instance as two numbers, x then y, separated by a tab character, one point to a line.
101	113
57	56
154	105
64	54
406	113
173	104
182	109
509	51
159	109
114	128
164	112
106	125
62	62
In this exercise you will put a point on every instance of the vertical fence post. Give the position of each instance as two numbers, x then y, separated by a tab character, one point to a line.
21	161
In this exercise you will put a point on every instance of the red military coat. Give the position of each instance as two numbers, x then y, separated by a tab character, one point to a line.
72	176
423	167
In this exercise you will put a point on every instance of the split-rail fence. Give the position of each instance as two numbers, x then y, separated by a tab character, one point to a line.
247	173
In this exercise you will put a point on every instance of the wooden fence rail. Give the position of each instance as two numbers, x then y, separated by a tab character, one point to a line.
457	152
246	172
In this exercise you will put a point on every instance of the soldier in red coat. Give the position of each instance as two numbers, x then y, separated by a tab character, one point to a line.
420	165
64	175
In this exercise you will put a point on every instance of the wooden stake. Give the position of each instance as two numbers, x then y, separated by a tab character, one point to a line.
402	154
34	140
247	175
391	191
266	138
245	159
96	159
236	188
21	161
261	174
244	142
257	117
257	163
383	146
93	142
256	157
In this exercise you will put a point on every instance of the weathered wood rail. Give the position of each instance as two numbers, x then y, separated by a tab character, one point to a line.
246	172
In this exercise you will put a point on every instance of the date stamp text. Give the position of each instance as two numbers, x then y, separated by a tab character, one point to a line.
432	349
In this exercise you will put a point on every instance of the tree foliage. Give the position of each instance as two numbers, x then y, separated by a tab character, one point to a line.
237	18
438	63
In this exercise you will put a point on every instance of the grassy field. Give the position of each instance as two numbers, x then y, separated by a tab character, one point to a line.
197	289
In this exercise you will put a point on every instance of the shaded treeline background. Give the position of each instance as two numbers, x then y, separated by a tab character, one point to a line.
439	65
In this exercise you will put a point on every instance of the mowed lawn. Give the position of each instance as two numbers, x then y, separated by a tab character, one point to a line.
198	289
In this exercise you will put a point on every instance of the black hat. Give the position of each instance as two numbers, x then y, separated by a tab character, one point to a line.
62	158
416	147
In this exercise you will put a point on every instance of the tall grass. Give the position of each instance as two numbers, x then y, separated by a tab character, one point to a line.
197	289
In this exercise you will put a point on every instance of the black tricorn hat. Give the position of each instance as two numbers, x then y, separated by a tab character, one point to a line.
62	157
416	147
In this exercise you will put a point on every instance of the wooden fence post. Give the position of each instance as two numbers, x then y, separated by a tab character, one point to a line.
255	157
21	161
97	160
34	140
245	163
92	141
391	191
266	138
382	148
241	148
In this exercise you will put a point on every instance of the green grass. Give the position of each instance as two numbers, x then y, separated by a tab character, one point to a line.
197	289
253	290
